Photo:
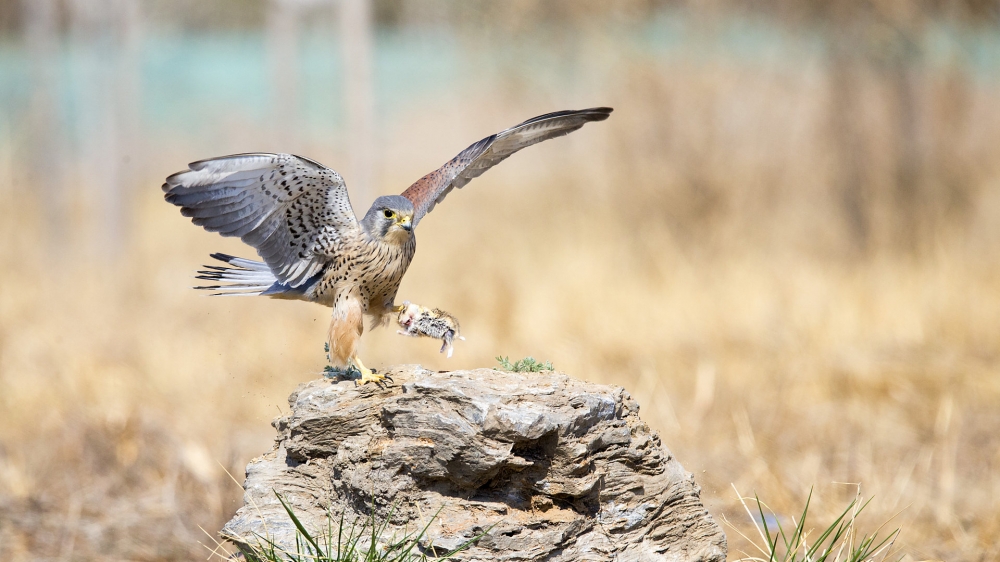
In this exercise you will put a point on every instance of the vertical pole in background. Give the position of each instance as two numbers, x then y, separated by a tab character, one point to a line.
356	32
105	164
45	152
101	33
128	89
95	150
282	45
118	38
845	43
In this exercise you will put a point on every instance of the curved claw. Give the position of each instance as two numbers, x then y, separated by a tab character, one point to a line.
368	375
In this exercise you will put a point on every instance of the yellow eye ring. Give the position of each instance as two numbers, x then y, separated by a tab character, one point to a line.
388	214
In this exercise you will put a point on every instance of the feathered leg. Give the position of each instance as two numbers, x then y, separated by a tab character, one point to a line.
346	328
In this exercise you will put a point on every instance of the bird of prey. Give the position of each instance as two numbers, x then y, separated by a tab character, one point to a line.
296	213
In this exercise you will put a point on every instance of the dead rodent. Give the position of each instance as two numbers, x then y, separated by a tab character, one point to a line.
418	321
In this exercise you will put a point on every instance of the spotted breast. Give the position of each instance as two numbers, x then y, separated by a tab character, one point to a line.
369	269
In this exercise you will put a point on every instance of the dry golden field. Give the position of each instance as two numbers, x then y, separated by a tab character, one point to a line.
798	279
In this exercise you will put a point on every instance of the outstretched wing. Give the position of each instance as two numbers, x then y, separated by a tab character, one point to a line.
483	155
291	209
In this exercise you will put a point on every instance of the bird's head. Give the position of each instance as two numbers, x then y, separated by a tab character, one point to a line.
390	218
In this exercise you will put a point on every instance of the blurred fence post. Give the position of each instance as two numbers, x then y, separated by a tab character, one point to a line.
127	99
914	228
282	44
849	152
106	32
356	34
46	152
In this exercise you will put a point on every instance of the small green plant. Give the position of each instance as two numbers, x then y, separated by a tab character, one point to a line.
526	365
838	542
349	542
331	372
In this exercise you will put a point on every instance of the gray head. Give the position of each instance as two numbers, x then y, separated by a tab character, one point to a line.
390	217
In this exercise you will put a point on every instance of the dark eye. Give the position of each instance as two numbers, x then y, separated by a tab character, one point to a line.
388	214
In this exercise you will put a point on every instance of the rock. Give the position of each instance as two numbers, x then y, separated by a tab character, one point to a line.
556	468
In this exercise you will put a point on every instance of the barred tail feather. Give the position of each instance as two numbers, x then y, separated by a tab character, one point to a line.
246	278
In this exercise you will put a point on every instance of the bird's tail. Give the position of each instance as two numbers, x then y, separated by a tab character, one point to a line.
245	278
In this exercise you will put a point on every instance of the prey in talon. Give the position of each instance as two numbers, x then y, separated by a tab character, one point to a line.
418	321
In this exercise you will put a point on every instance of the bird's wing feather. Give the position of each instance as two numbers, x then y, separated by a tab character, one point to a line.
483	155
291	209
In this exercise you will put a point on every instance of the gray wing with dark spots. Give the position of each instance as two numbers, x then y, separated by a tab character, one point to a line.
431	189
291	209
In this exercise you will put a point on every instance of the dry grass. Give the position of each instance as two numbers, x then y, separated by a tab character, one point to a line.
692	249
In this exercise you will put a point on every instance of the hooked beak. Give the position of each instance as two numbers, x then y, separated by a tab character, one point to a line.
405	224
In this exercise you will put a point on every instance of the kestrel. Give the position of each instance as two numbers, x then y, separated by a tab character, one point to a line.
296	213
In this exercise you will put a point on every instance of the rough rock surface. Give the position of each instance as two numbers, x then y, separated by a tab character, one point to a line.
561	469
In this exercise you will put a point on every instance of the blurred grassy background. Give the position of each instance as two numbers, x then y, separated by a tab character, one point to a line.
784	242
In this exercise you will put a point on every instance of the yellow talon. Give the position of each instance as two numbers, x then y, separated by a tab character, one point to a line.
367	375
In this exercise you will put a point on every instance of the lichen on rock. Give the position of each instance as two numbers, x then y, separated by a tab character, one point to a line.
554	468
